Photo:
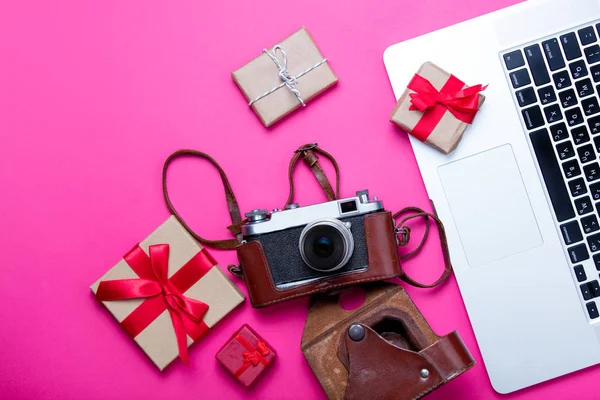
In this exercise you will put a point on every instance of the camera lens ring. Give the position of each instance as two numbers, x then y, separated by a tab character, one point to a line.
338	227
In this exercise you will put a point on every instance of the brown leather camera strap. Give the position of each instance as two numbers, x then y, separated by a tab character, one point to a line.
403	232
232	204
308	153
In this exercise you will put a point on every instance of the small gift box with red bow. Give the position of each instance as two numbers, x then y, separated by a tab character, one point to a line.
167	292
246	355
437	107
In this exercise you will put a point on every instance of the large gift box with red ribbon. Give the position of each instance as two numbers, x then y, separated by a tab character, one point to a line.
437	107
246	355
167	292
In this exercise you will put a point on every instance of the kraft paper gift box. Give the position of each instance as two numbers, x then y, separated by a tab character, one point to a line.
246	355
295	60
435	123
195	282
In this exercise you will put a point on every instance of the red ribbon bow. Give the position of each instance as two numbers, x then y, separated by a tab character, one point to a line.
253	356
462	103
161	293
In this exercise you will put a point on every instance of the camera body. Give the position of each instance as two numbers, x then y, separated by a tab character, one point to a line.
303	245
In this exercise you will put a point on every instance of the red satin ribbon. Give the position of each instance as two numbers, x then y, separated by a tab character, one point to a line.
462	103
253	356
161	293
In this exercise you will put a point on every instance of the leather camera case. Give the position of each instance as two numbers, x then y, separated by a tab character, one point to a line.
382	258
395	356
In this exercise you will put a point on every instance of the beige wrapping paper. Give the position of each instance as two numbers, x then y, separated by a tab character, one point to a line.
158	339
261	75
449	131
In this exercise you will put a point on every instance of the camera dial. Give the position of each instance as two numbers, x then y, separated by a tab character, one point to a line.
326	244
256	215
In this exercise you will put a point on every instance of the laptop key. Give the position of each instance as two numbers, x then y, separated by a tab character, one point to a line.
592	54
597	261
595	73
589	224
533	117
592	172
546	95
534	57
580	135
592	310
526	96
565	150
559	132
578	69
594	288
520	78
561	80
568	98
594	125
590	106
571	232
585	291
580	273
578	253
553	113
555	184
514	59
570	46
595	191
571	169
584	205
584	88
587	35
553	54
594	242
577	187
574	116
586	153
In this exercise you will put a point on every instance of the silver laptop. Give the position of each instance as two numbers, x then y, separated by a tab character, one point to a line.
520	196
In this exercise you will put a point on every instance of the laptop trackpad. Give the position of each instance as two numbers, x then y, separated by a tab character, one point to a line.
490	205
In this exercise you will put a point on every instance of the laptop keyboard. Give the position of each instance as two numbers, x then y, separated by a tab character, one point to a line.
556	84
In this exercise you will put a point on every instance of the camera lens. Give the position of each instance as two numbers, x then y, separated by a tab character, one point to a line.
323	247
326	244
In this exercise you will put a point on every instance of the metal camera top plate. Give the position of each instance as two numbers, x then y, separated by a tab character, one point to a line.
301	216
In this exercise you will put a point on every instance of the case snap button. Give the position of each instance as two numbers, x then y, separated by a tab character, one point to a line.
356	332
424	373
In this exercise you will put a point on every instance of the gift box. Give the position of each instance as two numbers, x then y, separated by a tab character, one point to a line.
167	292
437	107
246	355
285	77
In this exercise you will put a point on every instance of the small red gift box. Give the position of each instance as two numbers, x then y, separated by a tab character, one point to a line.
246	355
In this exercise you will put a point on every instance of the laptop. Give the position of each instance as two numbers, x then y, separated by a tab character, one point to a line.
520	196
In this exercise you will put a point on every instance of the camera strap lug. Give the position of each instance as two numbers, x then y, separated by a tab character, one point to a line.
235	270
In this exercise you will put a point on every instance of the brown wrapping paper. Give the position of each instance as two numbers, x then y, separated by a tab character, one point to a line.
449	131
158	340
261	75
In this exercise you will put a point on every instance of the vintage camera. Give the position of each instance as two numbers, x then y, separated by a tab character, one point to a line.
305	244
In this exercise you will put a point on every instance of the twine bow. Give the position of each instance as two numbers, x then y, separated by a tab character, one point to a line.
288	80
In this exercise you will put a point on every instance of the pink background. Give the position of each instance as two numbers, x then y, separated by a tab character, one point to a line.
93	97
